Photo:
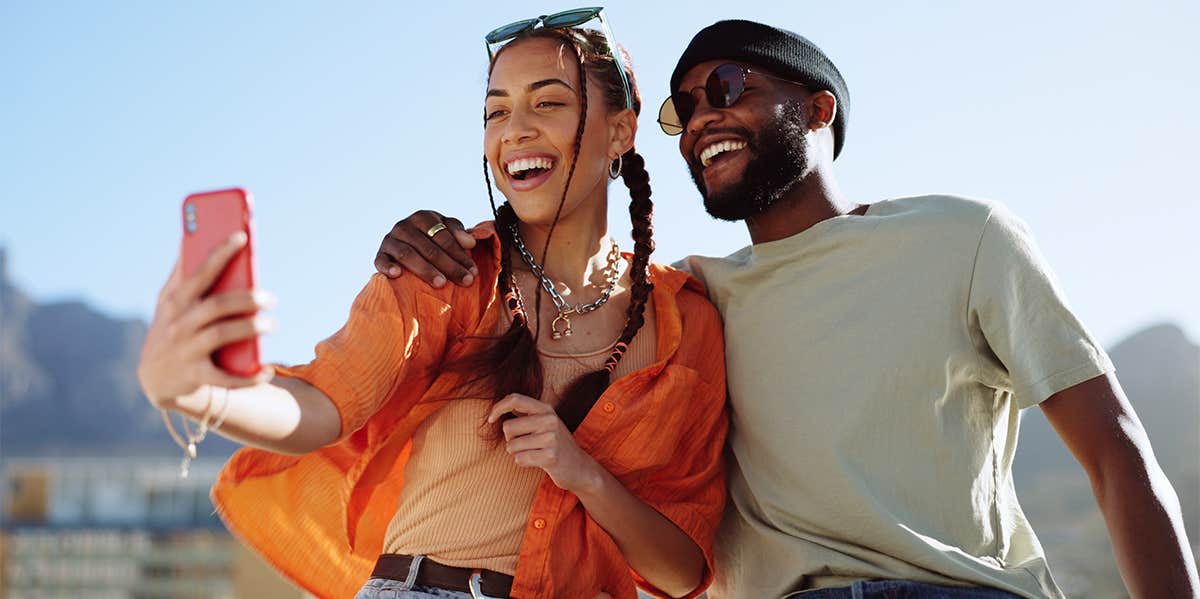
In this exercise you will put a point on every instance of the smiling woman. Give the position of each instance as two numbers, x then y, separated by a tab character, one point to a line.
447	441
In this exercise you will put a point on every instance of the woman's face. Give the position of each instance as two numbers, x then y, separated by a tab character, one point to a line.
531	117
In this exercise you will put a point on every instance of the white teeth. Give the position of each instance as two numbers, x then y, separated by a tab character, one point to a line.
524	164
706	157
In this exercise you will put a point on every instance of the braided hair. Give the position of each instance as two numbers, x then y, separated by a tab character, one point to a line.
509	363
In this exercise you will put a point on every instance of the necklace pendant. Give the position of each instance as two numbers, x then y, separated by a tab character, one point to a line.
564	316
184	466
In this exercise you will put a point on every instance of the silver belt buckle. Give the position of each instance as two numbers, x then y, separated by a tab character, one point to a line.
473	584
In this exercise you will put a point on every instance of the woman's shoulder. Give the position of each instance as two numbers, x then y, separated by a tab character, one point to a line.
689	293
486	252
693	330
410	293
699	336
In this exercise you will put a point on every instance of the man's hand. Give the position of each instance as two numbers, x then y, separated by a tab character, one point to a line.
434	258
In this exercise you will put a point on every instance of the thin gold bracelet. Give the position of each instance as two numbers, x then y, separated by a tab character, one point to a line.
189	448
171	429
224	412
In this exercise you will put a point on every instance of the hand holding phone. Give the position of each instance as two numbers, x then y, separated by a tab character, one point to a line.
209	219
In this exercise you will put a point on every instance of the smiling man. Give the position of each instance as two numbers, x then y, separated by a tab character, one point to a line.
878	358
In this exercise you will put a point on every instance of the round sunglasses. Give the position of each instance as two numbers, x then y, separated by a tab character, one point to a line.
559	20
566	18
722	89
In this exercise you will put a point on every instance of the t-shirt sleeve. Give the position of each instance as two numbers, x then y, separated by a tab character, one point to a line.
684	264
394	334
1020	317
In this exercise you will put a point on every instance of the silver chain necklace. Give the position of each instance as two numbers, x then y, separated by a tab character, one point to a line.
565	310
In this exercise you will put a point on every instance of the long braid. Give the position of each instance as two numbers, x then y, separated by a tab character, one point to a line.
505	218
509	364
641	214
583	108
584	391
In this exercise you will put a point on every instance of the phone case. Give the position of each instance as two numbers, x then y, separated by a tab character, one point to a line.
209	219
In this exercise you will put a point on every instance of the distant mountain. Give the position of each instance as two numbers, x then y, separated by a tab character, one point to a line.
68	384
1159	368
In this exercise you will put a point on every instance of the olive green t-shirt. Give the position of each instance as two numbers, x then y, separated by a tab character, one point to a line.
876	368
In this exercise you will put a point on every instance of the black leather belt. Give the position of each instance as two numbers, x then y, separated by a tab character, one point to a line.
433	574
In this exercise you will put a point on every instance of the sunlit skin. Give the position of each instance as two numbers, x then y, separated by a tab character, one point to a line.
532	109
815	198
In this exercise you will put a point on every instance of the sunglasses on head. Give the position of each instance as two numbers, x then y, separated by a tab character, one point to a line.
722	89
559	20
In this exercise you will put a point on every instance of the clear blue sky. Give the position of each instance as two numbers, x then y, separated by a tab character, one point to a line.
344	117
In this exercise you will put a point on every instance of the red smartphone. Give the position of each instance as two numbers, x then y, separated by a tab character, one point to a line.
209	219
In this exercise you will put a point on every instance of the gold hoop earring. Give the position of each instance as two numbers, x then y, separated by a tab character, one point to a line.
620	164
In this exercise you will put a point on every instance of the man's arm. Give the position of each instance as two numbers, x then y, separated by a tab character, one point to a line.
442	257
1141	510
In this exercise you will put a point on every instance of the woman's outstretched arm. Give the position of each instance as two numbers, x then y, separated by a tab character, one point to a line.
284	415
176	372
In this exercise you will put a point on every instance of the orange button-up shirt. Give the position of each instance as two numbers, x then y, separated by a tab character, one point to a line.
320	518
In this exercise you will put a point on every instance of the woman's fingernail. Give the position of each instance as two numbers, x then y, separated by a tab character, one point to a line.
468	279
263	323
474	270
439	280
394	271
264	299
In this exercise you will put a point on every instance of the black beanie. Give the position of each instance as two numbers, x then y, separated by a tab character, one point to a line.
780	51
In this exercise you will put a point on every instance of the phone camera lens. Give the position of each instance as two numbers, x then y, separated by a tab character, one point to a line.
190	217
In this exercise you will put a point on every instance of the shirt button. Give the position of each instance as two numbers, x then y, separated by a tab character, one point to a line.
539	523
610	407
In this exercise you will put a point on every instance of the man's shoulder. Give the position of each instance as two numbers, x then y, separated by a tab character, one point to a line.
936	221
696	264
941	208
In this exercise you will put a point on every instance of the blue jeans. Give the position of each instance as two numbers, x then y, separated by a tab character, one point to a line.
384	588
902	589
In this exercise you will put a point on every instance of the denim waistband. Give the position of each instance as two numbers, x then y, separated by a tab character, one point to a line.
902	589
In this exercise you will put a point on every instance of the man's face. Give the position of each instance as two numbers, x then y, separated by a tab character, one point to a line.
744	157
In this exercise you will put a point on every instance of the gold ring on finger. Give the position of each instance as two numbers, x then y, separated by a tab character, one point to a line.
434	230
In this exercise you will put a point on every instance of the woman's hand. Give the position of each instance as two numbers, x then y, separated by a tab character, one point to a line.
187	328
537	438
654	546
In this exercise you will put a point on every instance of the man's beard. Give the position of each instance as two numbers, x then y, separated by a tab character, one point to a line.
778	162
